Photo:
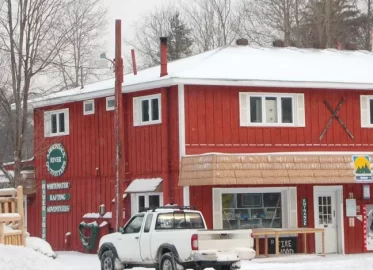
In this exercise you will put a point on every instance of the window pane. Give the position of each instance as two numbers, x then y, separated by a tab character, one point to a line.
54	123
194	220
256	110
371	110
111	103
135	225
88	107
148	222
271	110
155	109
165	221
145	110
154	201
61	122
141	201
287	110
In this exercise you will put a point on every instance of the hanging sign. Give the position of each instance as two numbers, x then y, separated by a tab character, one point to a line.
43	210
304	212
58	209
62	185
56	159
59	197
362	169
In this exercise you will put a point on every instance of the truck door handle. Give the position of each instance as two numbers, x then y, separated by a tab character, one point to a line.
137	238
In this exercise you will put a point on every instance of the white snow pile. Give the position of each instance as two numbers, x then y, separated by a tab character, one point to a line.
23	258
41	246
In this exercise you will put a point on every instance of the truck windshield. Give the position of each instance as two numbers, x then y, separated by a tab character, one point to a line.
179	220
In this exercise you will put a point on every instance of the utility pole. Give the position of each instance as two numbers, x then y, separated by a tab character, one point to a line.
118	123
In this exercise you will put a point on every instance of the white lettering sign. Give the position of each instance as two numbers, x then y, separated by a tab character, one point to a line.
62	185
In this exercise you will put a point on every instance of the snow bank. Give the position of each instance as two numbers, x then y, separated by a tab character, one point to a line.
21	258
41	246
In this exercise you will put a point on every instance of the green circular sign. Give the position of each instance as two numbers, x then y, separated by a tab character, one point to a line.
56	159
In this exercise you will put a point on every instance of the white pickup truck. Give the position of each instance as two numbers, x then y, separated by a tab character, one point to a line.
174	238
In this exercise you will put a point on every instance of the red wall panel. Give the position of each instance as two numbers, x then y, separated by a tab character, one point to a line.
212	122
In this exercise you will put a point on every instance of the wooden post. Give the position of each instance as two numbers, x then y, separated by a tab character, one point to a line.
323	242
276	243
304	243
266	245
21	213
257	245
2	238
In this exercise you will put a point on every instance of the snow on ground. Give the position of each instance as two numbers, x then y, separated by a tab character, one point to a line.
23	258
40	245
75	261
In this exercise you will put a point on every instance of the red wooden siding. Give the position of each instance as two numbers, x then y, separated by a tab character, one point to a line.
150	151
212	122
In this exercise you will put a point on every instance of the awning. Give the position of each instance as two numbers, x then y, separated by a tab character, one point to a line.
225	169
145	185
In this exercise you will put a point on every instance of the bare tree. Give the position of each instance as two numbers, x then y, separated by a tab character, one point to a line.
31	39
76	62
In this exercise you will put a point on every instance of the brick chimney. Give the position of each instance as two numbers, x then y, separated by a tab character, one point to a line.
163	56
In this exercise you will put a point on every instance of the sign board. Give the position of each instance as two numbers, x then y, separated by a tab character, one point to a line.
350	207
62	185
362	169
304	212
59	197
56	159
58	209
287	245
43	210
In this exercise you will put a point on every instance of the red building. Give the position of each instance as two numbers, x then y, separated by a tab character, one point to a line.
238	132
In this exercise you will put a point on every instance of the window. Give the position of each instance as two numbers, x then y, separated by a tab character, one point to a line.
366	111
147	110
148	223
56	123
179	220
141	201
110	103
243	208
135	225
88	107
272	109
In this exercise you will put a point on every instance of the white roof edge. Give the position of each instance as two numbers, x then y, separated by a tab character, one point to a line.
191	81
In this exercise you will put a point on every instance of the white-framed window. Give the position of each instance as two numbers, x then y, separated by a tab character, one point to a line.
147	110
88	107
274	207
56	123
366	111
271	109
110	103
145	200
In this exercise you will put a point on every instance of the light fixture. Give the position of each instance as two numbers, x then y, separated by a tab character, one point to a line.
366	192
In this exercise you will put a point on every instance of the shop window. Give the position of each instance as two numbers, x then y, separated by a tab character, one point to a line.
56	123
147	110
366	111
272	109
145	200
252	210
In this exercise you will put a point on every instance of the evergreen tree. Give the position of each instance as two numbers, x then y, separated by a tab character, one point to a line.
179	43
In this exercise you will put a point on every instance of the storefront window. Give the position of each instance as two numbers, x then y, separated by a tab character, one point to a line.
251	210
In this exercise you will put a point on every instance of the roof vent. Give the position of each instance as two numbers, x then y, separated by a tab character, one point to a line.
242	42
350	46
278	43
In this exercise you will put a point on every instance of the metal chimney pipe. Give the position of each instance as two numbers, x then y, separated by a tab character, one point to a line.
134	66
163	56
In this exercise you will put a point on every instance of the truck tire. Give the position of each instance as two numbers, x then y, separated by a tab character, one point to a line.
167	262
223	267
108	260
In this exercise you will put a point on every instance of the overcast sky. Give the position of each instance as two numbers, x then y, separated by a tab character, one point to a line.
128	11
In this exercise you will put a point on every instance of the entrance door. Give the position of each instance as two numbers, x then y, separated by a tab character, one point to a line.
326	217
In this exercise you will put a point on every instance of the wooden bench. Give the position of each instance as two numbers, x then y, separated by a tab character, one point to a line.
12	215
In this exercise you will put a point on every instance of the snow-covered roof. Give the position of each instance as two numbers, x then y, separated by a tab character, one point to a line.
143	185
242	66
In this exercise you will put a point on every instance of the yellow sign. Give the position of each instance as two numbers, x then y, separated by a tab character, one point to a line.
362	168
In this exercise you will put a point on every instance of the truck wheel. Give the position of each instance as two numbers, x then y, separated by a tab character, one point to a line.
223	267
167	262
108	260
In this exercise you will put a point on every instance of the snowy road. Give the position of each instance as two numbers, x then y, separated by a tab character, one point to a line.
75	261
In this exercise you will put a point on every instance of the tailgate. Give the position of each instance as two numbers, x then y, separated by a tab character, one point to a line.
224	240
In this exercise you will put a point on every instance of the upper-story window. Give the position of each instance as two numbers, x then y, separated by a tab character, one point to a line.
56	123
88	107
147	110
366	111
272	109
110	103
